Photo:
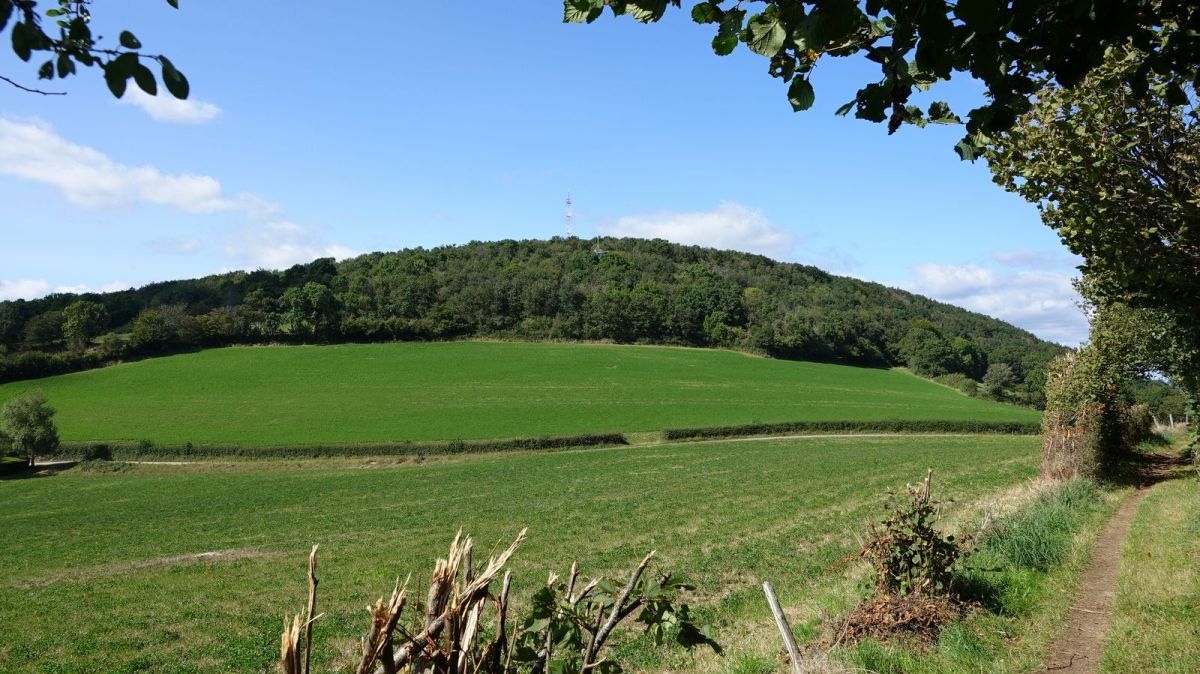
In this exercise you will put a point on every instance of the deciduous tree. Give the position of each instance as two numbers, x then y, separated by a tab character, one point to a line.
998	379
1009	47
83	320
27	423
1117	175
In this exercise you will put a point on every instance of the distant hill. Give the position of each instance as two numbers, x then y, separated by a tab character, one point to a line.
623	290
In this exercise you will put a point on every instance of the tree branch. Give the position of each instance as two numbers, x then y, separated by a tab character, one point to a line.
33	91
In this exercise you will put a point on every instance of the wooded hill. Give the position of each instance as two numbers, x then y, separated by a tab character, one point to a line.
624	290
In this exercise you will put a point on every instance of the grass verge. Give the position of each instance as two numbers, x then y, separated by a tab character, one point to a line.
1023	574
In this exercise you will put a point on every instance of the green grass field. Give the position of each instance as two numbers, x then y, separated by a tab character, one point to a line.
91	579
365	393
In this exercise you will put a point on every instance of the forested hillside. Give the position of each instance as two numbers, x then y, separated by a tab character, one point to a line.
625	290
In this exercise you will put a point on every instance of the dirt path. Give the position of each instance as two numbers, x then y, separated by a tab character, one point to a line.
1077	650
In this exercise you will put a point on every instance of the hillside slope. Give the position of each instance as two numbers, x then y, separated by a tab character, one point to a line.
372	393
624	290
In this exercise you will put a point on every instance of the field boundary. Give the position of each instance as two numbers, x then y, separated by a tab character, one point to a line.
138	450
126	450
883	426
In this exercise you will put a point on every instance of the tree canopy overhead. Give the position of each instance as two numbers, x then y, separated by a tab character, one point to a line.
1117	175
1011	46
71	43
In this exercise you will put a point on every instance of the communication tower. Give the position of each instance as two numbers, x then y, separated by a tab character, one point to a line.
570	218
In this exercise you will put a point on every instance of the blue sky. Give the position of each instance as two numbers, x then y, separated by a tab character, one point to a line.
312	133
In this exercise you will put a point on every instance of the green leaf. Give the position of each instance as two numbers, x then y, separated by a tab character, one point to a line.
724	45
979	15
173	3
940	113
1176	95
78	30
582	11
124	64
831	23
145	80
765	34
706	12
65	65
22	43
968	151
646	11
174	80
727	34
46	72
801	94
6	9
115	79
129	41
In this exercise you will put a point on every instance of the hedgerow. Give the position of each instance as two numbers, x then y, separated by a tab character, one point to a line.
144	449
879	426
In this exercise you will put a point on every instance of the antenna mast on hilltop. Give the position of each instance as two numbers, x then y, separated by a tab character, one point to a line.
570	217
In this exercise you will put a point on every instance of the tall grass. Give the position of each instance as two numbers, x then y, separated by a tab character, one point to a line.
1039	536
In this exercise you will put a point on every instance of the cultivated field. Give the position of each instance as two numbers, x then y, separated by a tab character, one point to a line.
96	574
364	393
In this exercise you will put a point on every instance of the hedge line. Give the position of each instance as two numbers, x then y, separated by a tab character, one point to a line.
884	426
146	450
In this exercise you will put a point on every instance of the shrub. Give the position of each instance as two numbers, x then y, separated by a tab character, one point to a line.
959	382
102	466
908	553
1136	424
100	452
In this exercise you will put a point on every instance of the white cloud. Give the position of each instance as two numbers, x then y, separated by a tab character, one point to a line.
280	244
28	289
23	289
166	108
729	225
175	246
947	281
1032	259
1043	302
89	178
79	289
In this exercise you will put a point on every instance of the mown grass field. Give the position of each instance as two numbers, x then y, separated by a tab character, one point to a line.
91	578
365	393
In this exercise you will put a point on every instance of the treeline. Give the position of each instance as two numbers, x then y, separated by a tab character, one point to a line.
624	290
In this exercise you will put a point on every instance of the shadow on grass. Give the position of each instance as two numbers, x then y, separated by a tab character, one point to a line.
1148	467
25	472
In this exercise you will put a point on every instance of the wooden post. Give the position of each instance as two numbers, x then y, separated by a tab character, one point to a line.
785	630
